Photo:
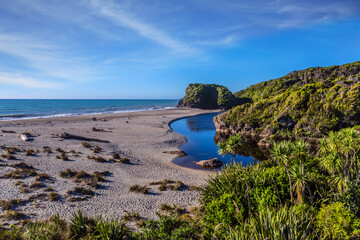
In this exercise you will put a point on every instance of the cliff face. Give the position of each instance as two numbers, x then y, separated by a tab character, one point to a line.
310	102
208	96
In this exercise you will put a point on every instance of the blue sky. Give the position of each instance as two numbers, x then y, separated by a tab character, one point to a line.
155	48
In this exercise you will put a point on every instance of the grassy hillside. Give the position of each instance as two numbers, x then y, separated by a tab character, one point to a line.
310	102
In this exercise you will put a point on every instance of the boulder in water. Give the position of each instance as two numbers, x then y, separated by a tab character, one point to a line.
211	163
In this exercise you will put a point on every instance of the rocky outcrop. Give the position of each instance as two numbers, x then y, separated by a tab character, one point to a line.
208	96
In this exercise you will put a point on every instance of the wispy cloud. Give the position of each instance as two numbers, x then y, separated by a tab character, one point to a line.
302	14
117	15
46	58
226	41
280	14
25	82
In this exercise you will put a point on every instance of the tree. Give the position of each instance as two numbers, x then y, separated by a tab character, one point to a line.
299	178
281	153
300	151
339	155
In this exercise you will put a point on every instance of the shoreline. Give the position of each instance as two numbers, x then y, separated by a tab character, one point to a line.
85	114
142	137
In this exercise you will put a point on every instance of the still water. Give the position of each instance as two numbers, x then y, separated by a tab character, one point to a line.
201	136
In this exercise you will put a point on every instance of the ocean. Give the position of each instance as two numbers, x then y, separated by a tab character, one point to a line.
11	109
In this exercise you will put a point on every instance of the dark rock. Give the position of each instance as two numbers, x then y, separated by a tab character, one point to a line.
211	163
264	143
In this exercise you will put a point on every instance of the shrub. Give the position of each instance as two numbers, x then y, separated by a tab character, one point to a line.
81	225
169	228
236	193
53	228
282	223
112	229
334	221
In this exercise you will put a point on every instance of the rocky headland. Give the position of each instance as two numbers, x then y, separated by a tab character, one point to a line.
307	103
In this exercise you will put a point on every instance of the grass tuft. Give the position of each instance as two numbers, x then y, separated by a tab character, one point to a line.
29	152
13	215
139	189
86	144
68	173
97	149
37	184
12	203
20	173
53	196
81	191
125	160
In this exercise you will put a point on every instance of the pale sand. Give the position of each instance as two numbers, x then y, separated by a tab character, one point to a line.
141	136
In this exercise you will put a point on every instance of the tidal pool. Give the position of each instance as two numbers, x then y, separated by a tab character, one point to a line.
201	136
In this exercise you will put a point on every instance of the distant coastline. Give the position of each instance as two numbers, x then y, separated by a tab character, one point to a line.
21	109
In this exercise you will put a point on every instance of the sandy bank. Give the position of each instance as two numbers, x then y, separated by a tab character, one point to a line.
140	136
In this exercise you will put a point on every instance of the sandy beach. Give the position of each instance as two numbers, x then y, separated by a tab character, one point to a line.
142	137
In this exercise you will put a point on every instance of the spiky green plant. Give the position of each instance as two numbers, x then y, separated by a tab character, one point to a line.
230	146
283	223
281	153
81	225
110	230
299	178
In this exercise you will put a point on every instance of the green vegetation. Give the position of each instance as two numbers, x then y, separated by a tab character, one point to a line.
293	195
208	96
310	102
231	146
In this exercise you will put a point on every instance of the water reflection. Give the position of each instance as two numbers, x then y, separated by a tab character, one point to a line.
199	124
202	138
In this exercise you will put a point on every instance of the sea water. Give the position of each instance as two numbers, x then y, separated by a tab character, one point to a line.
11	109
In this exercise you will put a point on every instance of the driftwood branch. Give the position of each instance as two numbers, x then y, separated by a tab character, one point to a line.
70	136
5	131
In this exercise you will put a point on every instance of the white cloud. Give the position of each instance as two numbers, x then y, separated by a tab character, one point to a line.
114	13
26	82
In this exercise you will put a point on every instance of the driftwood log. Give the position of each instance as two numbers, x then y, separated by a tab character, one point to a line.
5	131
71	136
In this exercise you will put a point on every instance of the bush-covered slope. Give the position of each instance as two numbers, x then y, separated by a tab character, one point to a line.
208	96
310	102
